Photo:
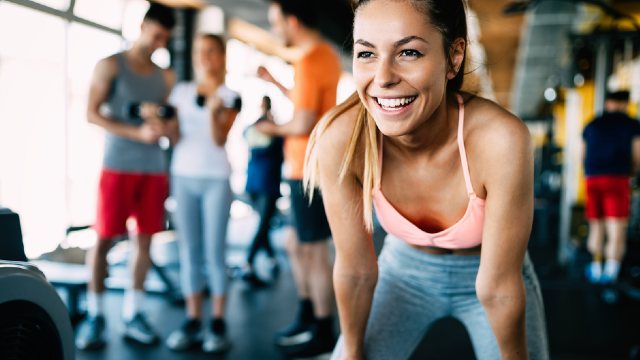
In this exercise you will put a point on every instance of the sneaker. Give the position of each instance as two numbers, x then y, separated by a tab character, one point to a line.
186	336
606	279
593	273
139	330
215	343
318	347
215	340
91	335
252	279
297	333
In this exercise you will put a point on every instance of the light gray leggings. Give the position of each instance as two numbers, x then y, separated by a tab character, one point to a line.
416	288
201	218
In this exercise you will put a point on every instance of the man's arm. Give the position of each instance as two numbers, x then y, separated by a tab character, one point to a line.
302	123
103	76
265	75
635	154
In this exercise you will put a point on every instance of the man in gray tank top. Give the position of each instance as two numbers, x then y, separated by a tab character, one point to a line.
125	98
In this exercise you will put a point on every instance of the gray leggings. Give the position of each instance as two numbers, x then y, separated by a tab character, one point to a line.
415	289
201	218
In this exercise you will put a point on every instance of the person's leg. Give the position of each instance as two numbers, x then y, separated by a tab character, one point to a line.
594	213
96	259
297	263
114	206
405	304
265	206
188	219
536	326
314	235
468	309
319	277
299	331
616	210
150	193
615	248
216	208
595	245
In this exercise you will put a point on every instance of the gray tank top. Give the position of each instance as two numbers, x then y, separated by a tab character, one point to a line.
122	154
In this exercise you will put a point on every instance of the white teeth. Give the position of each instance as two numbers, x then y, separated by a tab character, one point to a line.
394	103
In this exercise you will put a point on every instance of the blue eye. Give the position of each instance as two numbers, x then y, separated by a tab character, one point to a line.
364	54
411	52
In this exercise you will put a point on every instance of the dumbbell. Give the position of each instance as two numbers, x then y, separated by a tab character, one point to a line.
228	102
164	112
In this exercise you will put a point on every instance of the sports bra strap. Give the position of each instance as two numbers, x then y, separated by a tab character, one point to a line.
377	185
463	153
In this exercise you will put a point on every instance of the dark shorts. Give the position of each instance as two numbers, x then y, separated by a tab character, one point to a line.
608	197
124	195
309	220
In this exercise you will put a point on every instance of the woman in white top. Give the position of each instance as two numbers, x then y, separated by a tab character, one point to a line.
200	184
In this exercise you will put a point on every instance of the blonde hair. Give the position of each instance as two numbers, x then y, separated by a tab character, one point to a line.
365	133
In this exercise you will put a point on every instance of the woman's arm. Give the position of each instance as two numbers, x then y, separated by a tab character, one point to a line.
507	168
221	120
355	271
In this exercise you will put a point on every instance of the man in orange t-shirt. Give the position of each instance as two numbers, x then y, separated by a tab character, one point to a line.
316	78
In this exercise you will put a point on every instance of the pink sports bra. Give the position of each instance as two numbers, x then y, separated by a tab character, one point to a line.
465	233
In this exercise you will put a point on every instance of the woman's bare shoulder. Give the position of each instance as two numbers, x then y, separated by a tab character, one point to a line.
495	140
492	125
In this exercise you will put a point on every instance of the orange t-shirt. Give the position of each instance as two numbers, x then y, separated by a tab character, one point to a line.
315	85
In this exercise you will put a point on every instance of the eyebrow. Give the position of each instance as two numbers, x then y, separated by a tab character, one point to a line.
398	43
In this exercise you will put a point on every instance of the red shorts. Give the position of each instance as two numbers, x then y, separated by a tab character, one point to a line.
135	195
608	197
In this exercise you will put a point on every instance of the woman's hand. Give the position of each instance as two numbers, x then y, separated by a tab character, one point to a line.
215	104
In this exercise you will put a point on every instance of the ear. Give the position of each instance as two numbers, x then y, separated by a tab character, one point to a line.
456	54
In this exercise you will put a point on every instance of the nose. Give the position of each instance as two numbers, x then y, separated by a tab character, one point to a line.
386	75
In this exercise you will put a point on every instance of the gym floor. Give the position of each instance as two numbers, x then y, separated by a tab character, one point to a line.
581	324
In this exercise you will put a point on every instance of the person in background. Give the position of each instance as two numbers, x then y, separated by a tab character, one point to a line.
263	186
611	154
450	176
124	97
206	109
316	76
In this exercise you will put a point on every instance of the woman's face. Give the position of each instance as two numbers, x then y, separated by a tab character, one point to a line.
207	56
399	65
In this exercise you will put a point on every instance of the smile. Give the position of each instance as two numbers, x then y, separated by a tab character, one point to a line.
395	103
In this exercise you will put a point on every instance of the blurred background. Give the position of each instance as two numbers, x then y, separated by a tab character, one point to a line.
550	62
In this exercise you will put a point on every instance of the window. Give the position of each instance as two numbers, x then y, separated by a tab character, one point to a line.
32	123
105	12
85	141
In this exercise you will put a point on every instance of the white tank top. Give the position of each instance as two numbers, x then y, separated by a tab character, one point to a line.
195	154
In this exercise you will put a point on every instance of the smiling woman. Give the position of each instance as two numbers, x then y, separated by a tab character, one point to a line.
444	196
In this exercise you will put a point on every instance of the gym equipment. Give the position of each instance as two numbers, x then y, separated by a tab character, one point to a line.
11	247
229	102
34	323
164	112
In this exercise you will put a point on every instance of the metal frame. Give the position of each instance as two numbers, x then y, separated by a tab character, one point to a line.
67	15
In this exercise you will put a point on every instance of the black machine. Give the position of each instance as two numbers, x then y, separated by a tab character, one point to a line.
34	322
